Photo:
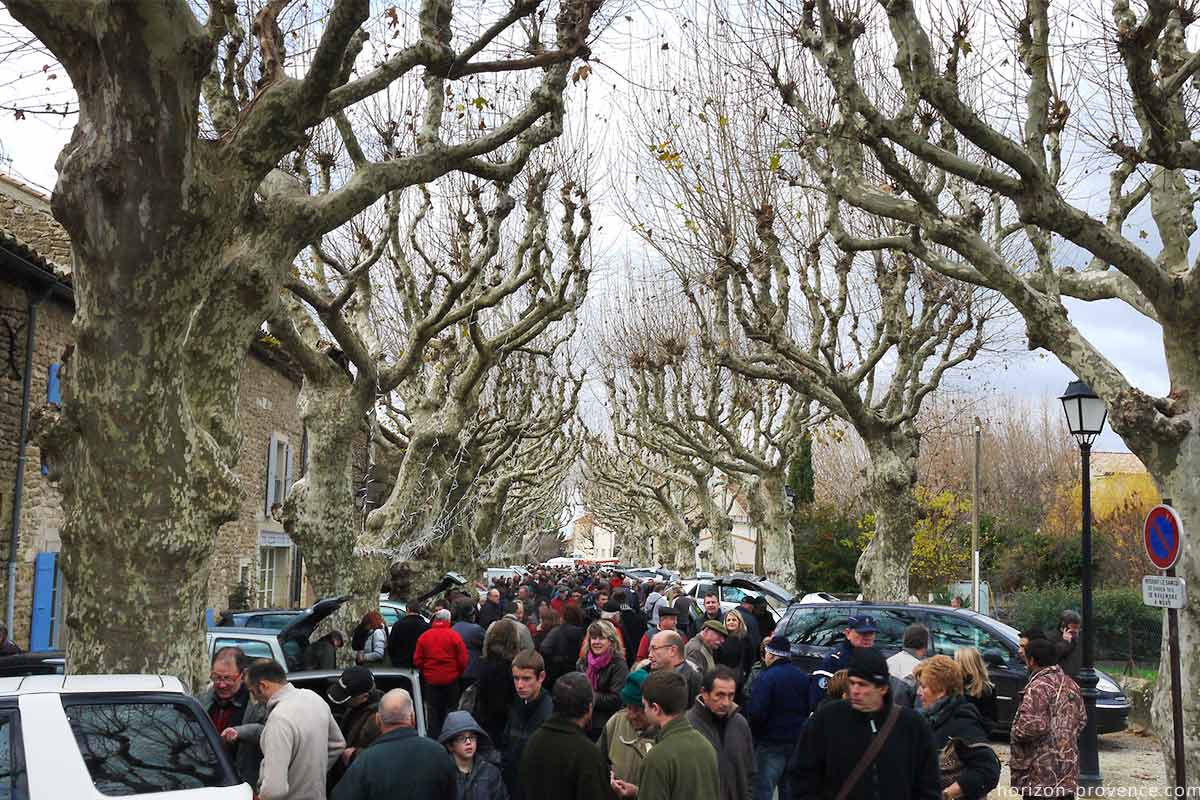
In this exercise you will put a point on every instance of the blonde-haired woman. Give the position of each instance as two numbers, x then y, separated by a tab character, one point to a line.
606	670
977	686
736	652
969	767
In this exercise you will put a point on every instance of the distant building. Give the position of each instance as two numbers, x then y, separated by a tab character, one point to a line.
252	551
587	538
745	535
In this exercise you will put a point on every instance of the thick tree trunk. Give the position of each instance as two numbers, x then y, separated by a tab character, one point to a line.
773	522
882	571
149	435
320	513
722	558
1181	483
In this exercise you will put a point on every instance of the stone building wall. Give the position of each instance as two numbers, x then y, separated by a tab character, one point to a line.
267	408
41	504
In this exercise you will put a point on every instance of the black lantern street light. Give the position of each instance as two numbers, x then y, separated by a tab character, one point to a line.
1086	414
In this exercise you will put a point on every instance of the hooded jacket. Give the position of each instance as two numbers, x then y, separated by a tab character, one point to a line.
1044	759
955	718
440	655
731	738
837	736
484	781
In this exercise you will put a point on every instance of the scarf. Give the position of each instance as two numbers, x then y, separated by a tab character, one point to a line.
596	663
942	710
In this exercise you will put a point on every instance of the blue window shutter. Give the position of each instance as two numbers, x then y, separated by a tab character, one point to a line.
41	626
271	468
287	474
53	387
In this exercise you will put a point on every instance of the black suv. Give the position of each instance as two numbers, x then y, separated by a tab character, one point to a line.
815	629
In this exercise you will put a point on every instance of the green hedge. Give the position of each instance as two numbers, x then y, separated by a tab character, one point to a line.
1122	622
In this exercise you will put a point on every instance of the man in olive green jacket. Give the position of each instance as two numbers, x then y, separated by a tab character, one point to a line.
682	765
628	735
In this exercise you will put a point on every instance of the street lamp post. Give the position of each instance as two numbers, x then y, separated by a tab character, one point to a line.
1086	414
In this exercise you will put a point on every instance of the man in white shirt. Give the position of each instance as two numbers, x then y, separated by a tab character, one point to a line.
300	740
916	648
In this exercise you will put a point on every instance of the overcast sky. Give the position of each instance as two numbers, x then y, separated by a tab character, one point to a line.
29	148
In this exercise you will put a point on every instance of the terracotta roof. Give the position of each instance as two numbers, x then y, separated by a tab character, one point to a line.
28	227
1116	464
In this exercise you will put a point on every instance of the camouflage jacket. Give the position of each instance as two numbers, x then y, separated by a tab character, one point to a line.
1045	731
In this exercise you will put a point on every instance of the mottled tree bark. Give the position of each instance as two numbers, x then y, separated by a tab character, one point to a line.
772	519
882	570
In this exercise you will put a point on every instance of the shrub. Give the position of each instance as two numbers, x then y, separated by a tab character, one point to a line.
826	548
1124	626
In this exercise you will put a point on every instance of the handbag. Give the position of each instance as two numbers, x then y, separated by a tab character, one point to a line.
871	754
949	763
469	699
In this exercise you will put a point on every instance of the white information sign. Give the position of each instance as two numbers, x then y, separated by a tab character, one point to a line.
1163	592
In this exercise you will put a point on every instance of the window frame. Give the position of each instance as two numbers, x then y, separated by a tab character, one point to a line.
838	612
931	622
188	705
220	642
16	749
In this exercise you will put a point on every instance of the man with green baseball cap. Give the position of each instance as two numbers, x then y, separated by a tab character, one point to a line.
628	735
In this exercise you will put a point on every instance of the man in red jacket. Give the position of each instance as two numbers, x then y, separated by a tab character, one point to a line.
441	657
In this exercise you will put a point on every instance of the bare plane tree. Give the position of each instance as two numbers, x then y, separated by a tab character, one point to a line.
979	181
440	326
184	228
867	337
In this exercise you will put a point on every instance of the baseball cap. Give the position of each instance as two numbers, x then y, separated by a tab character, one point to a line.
868	664
713	625
631	693
863	623
354	681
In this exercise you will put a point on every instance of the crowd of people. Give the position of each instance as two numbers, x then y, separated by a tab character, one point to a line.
574	685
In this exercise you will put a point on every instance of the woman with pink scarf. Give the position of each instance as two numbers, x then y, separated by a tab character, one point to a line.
605	667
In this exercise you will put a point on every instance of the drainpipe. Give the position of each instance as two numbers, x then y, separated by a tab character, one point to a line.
22	454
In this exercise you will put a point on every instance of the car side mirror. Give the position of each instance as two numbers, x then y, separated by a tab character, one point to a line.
994	658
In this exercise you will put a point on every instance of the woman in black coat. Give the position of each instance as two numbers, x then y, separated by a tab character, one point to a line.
495	691
560	649
969	767
736	652
977	686
606	669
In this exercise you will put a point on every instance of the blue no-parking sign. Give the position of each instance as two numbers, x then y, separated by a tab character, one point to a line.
1163	536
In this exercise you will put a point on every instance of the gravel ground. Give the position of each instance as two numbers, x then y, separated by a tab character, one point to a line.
1130	762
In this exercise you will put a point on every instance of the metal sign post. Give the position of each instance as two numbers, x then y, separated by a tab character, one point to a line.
1163	537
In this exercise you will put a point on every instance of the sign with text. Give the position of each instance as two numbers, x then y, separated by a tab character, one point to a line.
1163	592
1163	536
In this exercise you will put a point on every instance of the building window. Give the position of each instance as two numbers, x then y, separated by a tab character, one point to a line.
273	576
279	473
